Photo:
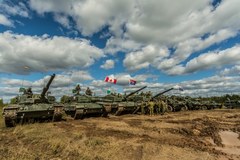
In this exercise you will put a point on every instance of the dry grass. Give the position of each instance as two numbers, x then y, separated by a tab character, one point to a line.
171	136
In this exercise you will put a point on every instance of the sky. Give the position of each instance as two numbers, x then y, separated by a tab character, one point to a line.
160	44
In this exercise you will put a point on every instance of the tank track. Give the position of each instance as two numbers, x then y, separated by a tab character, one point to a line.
79	114
106	109
58	112
10	117
119	111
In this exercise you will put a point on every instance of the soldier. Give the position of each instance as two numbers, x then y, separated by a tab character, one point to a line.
78	89
158	106
142	108
88	92
163	108
151	107
29	91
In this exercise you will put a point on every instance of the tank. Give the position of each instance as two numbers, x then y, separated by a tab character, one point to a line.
156	98
79	106
231	104
30	107
177	103
192	104
119	104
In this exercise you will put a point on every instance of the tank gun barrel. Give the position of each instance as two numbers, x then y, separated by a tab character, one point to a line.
161	93
45	89
134	92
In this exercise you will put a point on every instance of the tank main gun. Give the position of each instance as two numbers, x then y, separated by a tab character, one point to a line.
132	93
45	89
161	93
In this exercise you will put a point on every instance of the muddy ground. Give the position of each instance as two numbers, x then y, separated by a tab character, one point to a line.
182	135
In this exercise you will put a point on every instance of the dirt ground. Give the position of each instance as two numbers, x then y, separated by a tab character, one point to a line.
181	135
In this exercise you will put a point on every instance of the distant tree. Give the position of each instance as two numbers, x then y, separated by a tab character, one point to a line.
1	102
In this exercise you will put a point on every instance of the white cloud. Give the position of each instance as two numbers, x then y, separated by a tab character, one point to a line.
63	20
209	60
108	64
89	16
114	45
44	53
186	48
149	55
63	79
234	71
136	25
5	21
19	9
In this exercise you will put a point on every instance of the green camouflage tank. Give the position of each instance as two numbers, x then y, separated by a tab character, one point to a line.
30	107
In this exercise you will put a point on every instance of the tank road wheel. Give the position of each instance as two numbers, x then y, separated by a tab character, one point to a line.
204	108
79	114
57	114
169	108
184	108
10	118
9	122
119	111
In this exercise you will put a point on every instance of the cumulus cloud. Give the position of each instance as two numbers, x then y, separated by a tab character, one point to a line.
63	20
43	53
149	55
63	79
19	9
5	21
173	26
186	48
235	70
115	45
136	25
209	60
89	16
8	9
108	64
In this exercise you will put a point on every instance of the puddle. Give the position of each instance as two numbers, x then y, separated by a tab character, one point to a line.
229	138
230	141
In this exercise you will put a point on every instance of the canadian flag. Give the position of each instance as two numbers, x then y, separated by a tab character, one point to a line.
110	80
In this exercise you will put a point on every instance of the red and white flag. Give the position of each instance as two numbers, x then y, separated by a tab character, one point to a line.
110	80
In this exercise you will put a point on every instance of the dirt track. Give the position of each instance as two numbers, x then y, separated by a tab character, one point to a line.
181	135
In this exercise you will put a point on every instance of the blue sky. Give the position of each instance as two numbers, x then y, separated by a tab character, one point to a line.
161	44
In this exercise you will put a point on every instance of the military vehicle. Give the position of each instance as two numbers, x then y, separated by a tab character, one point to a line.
30	107
231	104
177	103
157	98
80	105
119	104
192	104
